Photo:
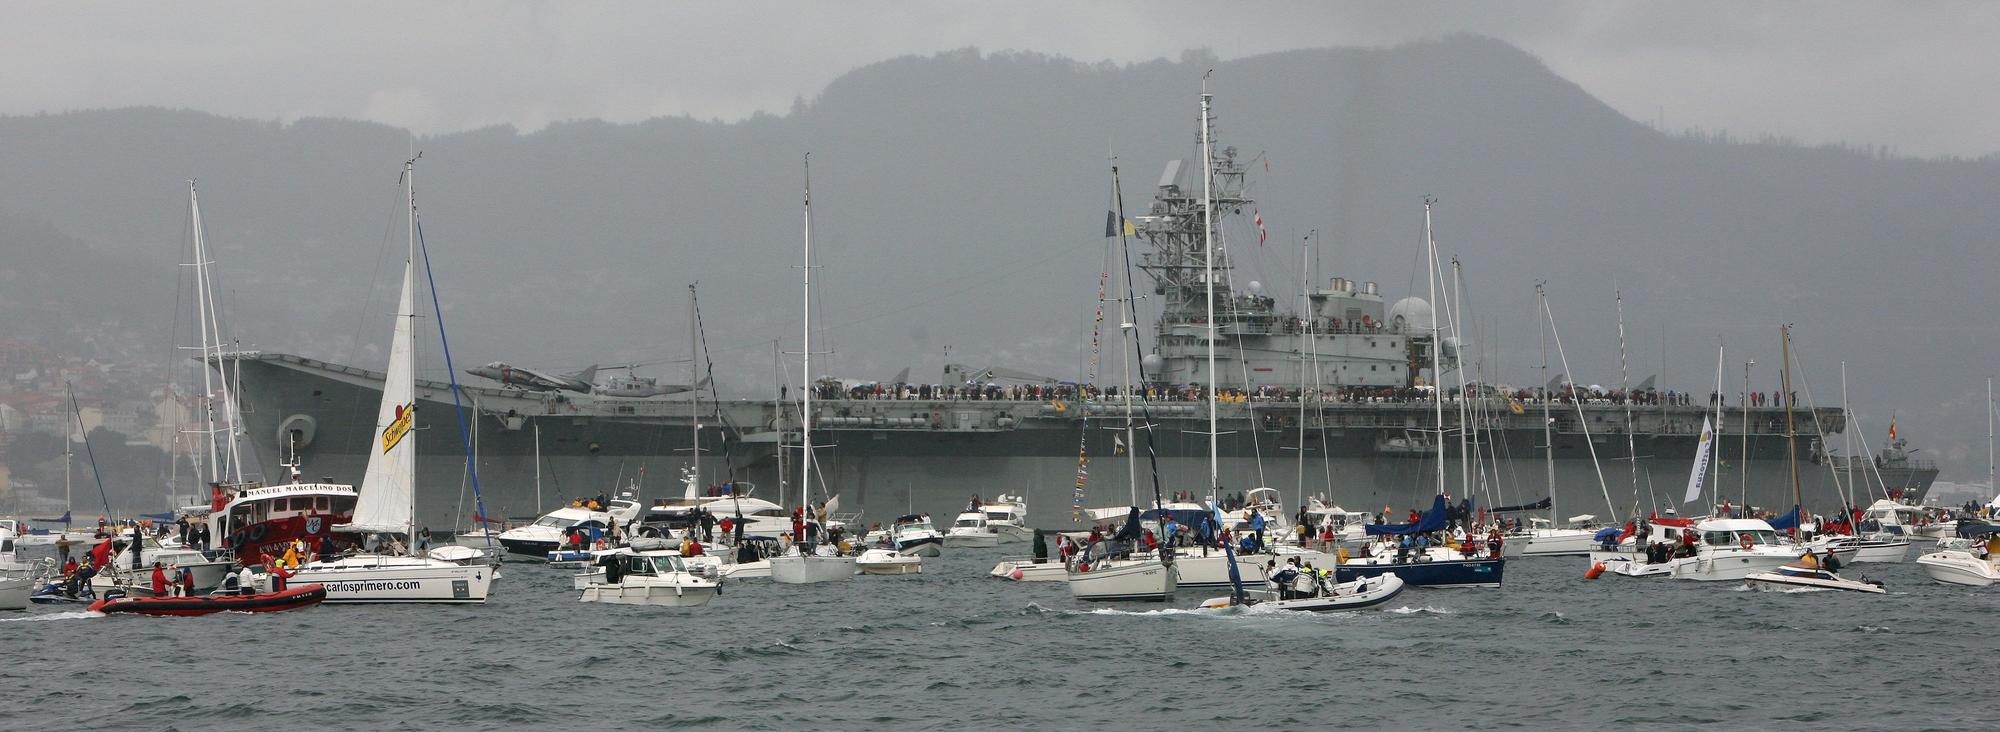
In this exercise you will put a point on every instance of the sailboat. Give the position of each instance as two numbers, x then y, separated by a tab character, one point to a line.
1545	539
387	496
1433	565
806	562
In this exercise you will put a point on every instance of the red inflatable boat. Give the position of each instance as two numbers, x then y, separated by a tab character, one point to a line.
291	598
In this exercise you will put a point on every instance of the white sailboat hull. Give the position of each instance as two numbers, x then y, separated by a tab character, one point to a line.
1140	579
14	592
383	579
1027	570
1553	543
1954	567
1727	567
801	570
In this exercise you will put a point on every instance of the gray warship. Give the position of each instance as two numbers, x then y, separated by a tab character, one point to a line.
1339	382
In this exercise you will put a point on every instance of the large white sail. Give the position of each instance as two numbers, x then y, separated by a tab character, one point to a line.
1700	461
386	502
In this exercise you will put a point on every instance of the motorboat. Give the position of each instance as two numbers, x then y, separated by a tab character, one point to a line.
731	503
657	577
1732	549
17	580
290	598
1973	560
1311	592
1429	567
253	521
133	574
1807	575
548	531
1648	552
1208	568
1348	526
911	534
1007	517
888	561
15	591
971	530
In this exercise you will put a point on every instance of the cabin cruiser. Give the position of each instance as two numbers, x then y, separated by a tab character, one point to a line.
1732	549
1872	547
1348	526
1648	552
734	502
1972	560
657	577
985	524
546	533
254	521
911	534
888	561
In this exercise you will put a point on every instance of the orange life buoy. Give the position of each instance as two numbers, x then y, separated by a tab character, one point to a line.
1745	541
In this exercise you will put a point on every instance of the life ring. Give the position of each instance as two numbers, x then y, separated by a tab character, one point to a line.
1745	541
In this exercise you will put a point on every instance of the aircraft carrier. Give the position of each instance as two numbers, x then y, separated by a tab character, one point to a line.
1368	438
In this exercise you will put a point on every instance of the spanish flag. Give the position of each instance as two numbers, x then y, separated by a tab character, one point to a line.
1892	428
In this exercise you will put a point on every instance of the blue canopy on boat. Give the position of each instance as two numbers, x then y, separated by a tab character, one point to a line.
1187	517
1787	521
1607	533
1432	520
1970	529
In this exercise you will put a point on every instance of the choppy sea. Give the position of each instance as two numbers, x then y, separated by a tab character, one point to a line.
955	649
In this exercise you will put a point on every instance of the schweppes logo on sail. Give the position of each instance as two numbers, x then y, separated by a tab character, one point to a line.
393	433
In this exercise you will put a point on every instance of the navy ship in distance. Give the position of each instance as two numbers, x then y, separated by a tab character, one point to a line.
1352	360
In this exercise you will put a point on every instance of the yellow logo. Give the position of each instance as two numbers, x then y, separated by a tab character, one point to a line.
393	433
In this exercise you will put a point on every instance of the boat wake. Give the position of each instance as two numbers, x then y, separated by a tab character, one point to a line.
1425	610
71	615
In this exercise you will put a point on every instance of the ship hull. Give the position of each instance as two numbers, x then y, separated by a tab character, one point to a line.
889	457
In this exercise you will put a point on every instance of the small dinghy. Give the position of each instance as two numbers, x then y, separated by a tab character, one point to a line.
290	598
1808	575
888	561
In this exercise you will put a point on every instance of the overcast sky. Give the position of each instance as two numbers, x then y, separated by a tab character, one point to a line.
1917	77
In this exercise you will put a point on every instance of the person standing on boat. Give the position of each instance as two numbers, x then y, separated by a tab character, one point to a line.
186	580
159	580
246	581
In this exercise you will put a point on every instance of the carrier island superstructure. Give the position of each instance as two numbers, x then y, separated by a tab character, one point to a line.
1358	362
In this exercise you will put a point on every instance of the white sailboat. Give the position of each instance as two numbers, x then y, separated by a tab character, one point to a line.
805	563
387	501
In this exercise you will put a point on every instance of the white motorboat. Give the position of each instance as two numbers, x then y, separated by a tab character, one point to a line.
888	561
1198	568
1007	517
658	577
135	575
1732	549
971	530
1959	562
795	568
914	535
1348	526
1807	575
1314	593
14	592
1029	569
547	532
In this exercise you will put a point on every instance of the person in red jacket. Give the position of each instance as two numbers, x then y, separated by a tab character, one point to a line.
159	580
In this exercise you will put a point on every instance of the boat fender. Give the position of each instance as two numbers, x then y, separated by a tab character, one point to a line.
1595	570
1017	574
1746	542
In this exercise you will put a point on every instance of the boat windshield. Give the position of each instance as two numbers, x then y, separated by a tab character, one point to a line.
1733	538
667	564
550	521
968	523
998	515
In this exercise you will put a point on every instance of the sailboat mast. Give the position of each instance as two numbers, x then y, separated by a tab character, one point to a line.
1437	347
409	311
1846	436
201	304
694	390
1548	422
1128	318
1208	276
1458	365
805	377
1624	384
1743	467
1989	434
68	429
538	468
1715	464
1791	441
1305	310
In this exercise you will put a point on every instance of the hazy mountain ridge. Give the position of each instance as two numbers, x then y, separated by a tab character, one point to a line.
958	200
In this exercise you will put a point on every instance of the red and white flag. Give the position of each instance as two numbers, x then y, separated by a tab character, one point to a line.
1261	234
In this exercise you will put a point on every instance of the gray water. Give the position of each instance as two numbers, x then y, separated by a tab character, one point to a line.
953	648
